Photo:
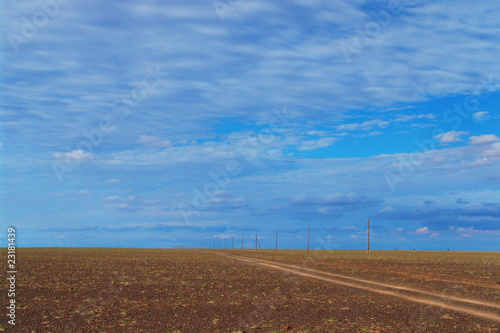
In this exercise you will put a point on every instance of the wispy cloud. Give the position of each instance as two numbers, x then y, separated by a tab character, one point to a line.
484	139
78	154
406	105
449	137
316	144
481	116
84	192
405	118
364	126
153	141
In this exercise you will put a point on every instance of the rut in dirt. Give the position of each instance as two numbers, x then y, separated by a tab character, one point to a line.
376	287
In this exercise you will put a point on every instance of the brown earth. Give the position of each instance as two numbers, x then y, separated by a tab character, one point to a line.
462	274
407	293
133	290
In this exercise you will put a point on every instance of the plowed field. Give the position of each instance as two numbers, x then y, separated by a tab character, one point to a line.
135	290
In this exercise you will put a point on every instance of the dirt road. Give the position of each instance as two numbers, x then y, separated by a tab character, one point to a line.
482	309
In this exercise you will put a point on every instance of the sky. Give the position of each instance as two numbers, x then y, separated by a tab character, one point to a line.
160	124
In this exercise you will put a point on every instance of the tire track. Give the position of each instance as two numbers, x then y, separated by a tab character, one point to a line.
357	283
381	284
427	276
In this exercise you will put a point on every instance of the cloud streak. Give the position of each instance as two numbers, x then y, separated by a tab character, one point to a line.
269	88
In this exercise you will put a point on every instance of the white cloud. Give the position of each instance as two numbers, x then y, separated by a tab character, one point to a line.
316	144
317	133
374	133
222	71
78	154
449	137
122	203
405	118
116	198
387	209
153	141
481	115
364	126
480	162
483	139
225	202
112	181
493	151
324	210
84	192
223	236
470	231
422	231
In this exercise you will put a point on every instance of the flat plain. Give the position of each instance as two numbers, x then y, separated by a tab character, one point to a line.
156	290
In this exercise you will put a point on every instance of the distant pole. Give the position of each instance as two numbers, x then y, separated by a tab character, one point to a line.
255	241
308	232
242	239
368	236
276	241
232	243
224	243
219	244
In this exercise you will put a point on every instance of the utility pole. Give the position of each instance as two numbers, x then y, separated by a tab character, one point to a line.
232	243
219	244
368	236
224	243
308	232
276	241
255	242
242	239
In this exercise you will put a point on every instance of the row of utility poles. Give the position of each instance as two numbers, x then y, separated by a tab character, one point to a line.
257	243
215	245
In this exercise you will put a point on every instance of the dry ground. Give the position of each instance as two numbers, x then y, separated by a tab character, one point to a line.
132	290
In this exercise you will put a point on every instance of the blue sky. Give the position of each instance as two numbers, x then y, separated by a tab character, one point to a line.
163	124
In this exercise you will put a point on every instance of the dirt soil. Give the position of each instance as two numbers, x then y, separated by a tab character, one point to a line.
135	290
